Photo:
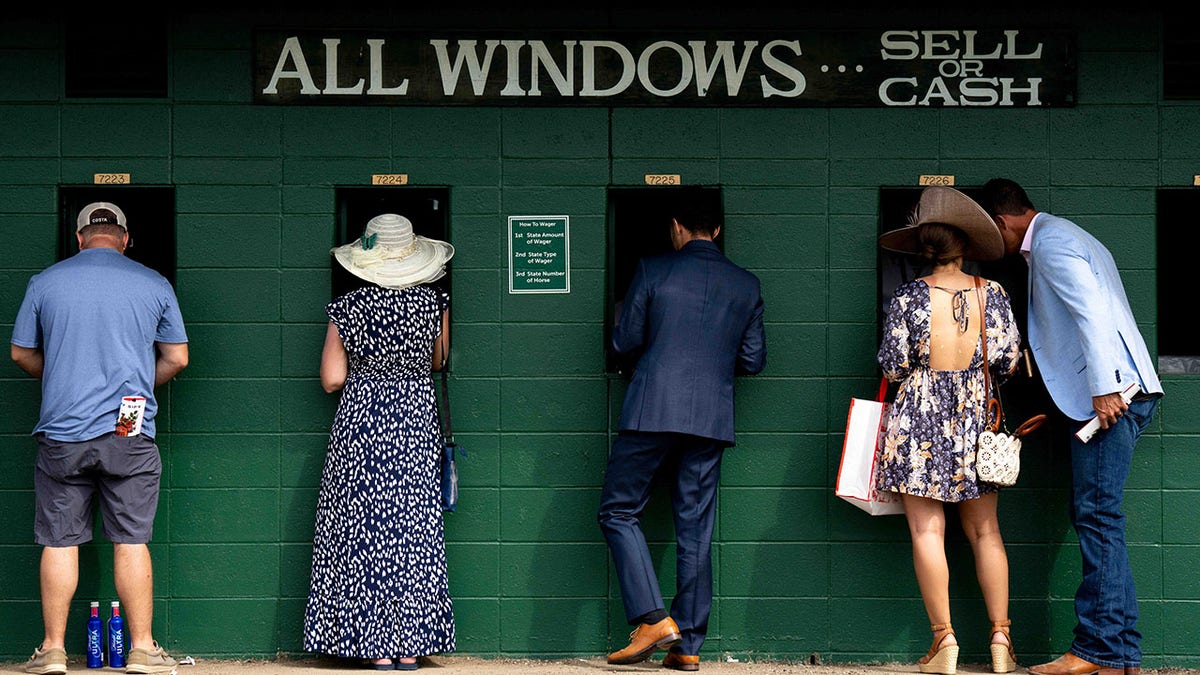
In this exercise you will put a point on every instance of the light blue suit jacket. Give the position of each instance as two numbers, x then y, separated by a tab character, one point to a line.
693	319
1081	329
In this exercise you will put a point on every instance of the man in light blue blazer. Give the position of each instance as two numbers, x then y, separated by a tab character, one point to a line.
692	320
1088	350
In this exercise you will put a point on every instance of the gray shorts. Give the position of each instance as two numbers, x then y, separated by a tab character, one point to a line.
123	471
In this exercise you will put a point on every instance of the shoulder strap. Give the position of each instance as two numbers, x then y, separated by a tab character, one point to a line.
989	401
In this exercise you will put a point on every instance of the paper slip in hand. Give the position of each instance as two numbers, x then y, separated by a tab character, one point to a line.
129	418
1085	434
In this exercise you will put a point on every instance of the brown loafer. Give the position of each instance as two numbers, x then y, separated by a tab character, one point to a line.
645	640
1069	664
676	661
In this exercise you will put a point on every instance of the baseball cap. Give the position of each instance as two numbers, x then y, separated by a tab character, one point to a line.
101	213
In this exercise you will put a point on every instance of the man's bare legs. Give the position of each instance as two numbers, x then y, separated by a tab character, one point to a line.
59	578
134	577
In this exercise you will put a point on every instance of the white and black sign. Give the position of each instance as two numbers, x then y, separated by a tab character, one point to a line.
905	68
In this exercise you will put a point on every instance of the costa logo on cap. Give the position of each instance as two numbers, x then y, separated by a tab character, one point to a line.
100	213
103	217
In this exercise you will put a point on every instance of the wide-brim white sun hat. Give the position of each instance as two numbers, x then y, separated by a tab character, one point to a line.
390	255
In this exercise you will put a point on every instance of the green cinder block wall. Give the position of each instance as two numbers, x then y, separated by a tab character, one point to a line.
798	571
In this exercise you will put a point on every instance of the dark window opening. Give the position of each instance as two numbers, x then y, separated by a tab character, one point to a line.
149	214
639	225
1181	58
116	56
1177	237
426	207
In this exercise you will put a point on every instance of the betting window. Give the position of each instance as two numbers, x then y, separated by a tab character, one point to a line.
639	225
113	56
1178	346
149	214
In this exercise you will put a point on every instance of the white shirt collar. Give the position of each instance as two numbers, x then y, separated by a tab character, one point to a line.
1027	242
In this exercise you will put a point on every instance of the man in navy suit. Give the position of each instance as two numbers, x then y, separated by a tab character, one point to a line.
1088	349
692	320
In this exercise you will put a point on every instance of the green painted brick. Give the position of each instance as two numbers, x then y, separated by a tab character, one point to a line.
345	131
224	515
547	349
553	404
18	507
579	626
211	353
301	458
16	462
305	406
297	513
745	233
769	515
767	203
553	459
649	132
788	294
475	403
19	405
853	295
200	627
29	172
479	240
227	199
446	132
549	515
248	405
771	403
311	199
477	517
756	570
553	570
632	172
308	292
800	625
775	459
775	172
477	625
40	249
774	133
554	172
554	132
474	348
478	459
796	349
130	130
1112	132
224	570
201	75
476	200
334	171
226	131
23	618
1177	139
473	569
294	569
874	134
228	295
552	200
32	75
221	170
475	296
853	349
223	461
21	576
1184	526
206	239
37	199
300	349
872	570
290	638
305	240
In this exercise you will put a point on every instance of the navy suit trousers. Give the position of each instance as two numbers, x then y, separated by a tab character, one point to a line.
692	466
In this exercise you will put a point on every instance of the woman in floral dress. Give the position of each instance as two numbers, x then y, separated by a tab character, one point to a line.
931	346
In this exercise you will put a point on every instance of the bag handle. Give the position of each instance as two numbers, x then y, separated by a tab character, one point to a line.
994	410
883	387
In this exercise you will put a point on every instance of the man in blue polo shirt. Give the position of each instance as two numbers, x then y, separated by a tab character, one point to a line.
100	331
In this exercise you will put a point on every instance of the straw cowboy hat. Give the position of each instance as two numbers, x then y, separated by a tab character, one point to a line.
948	206
390	255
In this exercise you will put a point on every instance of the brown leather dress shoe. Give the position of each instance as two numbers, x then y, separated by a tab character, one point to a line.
645	640
1133	670
1069	664
681	661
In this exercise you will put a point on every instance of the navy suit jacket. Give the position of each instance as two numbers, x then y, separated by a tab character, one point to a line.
693	320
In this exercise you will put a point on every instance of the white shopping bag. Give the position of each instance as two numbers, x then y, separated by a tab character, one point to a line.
865	427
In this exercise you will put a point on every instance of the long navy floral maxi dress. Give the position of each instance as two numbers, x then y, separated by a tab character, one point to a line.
378	586
937	416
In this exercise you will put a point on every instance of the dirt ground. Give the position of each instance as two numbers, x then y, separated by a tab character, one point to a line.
456	665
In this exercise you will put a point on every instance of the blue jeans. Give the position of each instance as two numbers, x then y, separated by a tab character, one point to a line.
1106	605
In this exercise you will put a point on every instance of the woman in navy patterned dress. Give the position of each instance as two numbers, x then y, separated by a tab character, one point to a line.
378	588
931	346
